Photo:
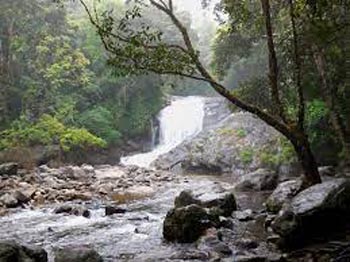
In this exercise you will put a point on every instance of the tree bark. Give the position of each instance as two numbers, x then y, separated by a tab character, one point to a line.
306	158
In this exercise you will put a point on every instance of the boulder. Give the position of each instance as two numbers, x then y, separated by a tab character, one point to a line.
10	169
185	198
327	171
77	255
234	145
22	196
316	213
9	200
12	252
224	202
282	194
195	212
245	215
259	180
73	210
111	210
185	224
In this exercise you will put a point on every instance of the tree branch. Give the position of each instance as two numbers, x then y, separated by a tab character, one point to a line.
300	90
283	128
273	67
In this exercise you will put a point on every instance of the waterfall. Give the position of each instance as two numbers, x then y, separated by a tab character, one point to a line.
181	120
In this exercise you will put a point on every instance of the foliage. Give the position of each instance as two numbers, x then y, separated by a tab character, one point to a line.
284	155
99	121
47	131
246	155
57	66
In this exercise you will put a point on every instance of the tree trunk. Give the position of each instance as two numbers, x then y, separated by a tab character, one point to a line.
306	159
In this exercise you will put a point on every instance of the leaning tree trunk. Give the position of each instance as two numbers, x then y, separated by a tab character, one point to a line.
306	159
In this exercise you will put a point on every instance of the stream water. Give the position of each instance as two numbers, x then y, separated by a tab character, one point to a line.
135	236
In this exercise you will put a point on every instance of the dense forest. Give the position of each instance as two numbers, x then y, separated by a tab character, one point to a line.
174	130
58	90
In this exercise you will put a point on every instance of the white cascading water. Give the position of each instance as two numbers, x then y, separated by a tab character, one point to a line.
182	119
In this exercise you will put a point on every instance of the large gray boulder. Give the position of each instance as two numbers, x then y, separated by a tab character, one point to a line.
315	213
282	194
80	254
223	202
195	212
237	144
13	252
259	180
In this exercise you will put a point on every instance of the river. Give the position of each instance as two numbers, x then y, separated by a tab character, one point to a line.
135	236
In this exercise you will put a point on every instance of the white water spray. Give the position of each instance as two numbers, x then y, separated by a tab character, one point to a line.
181	120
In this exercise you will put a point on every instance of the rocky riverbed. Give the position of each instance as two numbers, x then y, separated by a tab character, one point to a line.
126	208
143	198
228	204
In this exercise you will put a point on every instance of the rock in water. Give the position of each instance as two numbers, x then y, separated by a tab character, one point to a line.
185	224
110	210
9	169
314	214
9	200
259	180
185	198
80	254
73	210
194	213
12	252
282	194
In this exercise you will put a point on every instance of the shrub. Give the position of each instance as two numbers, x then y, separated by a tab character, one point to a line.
246	155
47	131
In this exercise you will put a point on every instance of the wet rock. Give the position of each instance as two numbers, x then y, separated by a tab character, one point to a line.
247	244
223	202
224	146
283	193
111	210
226	222
12	252
244	215
185	198
21	197
211	243
190	255
9	200
327	171
132	193
316	213
9	169
88	169
73	172
77	255
185	224
254	258
73	210
259	180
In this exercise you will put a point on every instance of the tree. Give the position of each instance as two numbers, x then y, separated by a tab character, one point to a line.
142	50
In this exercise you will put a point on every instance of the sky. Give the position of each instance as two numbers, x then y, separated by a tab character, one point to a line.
195	8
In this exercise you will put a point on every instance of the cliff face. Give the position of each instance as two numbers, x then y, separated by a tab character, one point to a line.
238	144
